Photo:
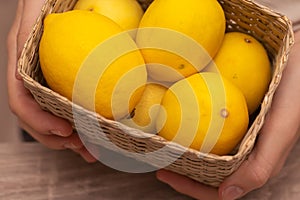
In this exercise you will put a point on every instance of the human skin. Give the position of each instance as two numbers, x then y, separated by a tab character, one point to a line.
51	131
277	137
266	160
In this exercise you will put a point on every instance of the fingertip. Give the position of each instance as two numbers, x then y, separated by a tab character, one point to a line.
59	133
58	126
162	175
158	173
87	156
63	131
252	174
231	193
67	130
78	147
91	159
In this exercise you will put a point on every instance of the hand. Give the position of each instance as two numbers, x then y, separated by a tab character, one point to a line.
275	141
53	132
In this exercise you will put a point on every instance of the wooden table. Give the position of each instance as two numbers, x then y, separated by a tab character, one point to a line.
29	171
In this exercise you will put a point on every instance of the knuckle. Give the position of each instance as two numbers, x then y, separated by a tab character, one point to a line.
261	176
260	171
187	188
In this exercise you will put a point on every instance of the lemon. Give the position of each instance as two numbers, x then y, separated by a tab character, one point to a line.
87	58
178	38
144	115
243	60
205	112
126	13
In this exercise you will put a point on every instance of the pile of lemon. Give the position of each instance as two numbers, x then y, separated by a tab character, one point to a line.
171	70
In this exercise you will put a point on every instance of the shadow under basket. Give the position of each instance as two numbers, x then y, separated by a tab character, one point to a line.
272	29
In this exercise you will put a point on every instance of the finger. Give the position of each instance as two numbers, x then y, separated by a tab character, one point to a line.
284	158
20	99
264	162
27	109
53	141
277	136
86	155
187	186
252	174
72	142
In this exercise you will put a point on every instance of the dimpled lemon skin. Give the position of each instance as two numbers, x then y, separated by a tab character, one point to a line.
201	22
244	61
189	120
144	115
126	13
67	40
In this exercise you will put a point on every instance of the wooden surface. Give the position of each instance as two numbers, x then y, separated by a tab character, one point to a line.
31	171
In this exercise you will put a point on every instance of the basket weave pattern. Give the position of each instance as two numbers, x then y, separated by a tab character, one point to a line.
270	28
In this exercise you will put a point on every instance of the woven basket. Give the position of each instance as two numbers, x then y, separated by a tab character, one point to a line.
272	29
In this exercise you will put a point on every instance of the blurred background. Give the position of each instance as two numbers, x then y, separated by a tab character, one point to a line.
9	131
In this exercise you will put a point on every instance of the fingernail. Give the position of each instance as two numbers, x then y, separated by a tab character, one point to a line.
90	159
56	132
231	193
59	133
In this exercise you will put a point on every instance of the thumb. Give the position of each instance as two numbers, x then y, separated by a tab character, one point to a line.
252	174
266	160
275	141
30	12
255	171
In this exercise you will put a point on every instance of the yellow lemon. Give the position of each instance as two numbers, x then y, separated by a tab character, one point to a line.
244	61
87	58
144	115
179	38
205	112
126	13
